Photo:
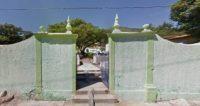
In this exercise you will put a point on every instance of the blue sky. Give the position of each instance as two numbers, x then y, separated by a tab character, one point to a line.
32	19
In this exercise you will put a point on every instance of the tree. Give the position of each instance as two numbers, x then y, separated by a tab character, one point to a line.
88	34
187	14
9	34
166	29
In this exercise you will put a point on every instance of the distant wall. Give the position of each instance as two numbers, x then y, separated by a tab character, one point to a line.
104	69
17	66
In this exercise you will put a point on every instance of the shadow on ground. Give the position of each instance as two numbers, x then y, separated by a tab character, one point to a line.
84	80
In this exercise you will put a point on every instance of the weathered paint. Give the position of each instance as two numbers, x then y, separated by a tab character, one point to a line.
38	75
142	67
176	70
123	65
161	60
74	67
17	67
44	64
151	93
111	64
58	56
129	44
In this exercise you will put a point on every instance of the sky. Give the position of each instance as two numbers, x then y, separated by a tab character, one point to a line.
37	13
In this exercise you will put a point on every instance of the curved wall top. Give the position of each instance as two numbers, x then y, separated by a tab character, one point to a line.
159	38
17	66
176	69
17	43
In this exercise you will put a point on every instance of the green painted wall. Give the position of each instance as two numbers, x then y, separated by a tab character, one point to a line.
141	67
44	64
58	65
129	65
17	67
176	68
145	67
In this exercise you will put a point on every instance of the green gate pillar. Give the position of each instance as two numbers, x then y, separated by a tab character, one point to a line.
151	93
60	38
111	64
38	74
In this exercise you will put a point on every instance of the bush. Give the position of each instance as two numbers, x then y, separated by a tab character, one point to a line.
3	39
10	34
89	55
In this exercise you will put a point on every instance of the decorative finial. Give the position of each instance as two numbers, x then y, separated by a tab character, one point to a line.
68	27
42	29
146	28
116	25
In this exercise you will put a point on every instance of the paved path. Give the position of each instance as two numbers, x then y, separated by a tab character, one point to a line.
88	68
89	77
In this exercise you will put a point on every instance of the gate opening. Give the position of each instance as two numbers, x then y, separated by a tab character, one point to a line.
92	71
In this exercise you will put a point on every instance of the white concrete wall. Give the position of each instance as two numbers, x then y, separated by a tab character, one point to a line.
177	70
17	66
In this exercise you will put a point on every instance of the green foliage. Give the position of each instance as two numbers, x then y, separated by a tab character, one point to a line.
187	14
88	34
11	34
89	55
166	29
4	38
